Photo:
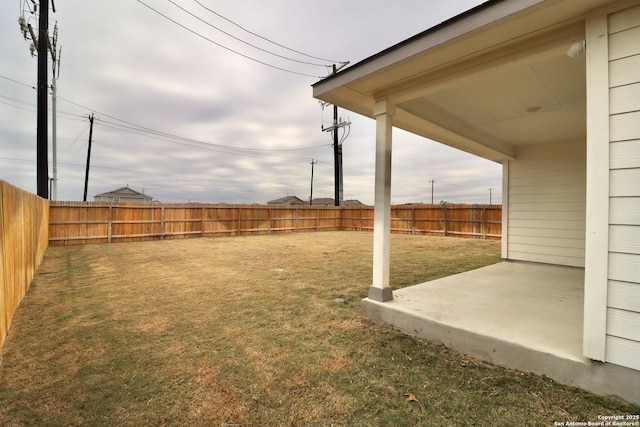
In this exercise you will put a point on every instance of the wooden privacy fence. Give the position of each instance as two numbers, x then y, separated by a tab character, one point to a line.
99	222
24	221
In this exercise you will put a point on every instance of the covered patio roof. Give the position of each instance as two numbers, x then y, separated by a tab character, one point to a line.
486	81
499	81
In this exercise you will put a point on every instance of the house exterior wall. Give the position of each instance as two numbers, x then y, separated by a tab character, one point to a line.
546	204
623	293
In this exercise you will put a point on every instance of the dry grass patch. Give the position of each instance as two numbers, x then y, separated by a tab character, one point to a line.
250	331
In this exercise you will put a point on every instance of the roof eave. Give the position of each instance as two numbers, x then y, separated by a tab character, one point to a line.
473	19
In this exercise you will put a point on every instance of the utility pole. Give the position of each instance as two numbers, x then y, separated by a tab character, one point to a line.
54	133
340	178
86	175
42	161
490	191
40	44
311	196
337	145
336	153
55	58
432	181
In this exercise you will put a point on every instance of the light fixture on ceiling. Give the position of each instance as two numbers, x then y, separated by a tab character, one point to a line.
576	49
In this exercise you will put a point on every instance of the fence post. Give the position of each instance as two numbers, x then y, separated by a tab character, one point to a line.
161	222
202	220
109	231
445	213
413	220
484	222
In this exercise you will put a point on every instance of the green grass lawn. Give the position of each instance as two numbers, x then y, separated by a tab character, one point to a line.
247	331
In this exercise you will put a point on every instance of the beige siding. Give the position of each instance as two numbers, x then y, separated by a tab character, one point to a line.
624	43
624	71
547	204
624	154
623	296
623	352
625	98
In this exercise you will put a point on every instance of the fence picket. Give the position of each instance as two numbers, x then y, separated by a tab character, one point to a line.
24	229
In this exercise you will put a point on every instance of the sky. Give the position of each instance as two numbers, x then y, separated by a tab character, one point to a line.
211	101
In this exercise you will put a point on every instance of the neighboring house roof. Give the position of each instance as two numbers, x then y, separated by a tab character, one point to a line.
124	193
288	201
323	201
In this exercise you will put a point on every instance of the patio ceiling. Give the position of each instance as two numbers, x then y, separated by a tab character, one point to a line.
534	102
486	83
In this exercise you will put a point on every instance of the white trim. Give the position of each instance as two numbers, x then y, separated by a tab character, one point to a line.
597	198
505	210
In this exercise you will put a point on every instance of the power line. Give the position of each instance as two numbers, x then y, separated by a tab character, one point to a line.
265	153
225	47
16	81
160	174
266	39
74	142
17	160
360	174
245	42
74	117
18	107
112	146
209	145
34	109
143	129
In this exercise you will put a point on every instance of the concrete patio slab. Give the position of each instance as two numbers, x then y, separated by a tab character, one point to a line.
525	316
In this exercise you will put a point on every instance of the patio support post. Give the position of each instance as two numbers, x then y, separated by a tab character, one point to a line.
380	290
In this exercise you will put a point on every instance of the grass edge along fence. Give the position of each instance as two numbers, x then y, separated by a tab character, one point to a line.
100	222
24	232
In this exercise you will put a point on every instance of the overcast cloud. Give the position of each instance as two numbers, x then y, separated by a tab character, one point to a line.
243	132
